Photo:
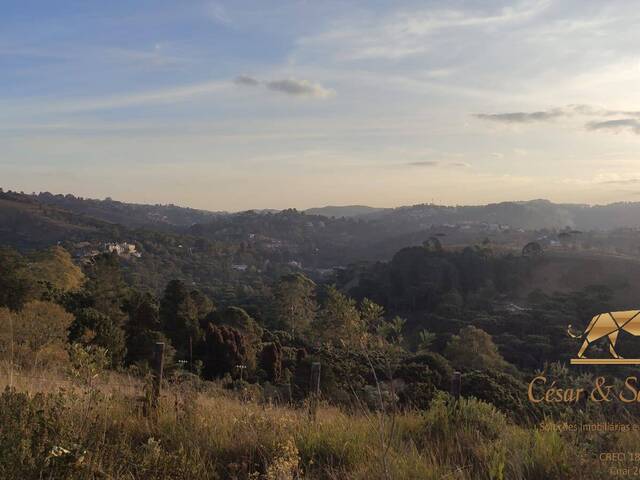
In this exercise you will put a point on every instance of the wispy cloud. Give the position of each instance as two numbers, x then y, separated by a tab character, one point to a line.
426	163
554	113
163	96
246	80
628	181
405	33
522	117
288	86
628	124
436	163
299	87
155	57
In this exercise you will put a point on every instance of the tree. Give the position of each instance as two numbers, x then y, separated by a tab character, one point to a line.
426	338
143	328
143	311
15	284
392	331
372	315
432	244
295	304
418	277
203	304
271	360
532	249
55	268
473	349
40	326
41	323
339	319
106	288
92	327
240	320
179	317
223	349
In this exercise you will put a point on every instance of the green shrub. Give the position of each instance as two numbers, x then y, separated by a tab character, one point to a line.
33	443
447	418
502	390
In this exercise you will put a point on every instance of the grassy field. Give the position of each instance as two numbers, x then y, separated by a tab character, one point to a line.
51	427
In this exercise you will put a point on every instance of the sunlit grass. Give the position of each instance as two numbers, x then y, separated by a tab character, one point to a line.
212	434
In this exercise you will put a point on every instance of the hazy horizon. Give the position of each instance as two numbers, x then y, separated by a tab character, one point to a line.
244	105
314	207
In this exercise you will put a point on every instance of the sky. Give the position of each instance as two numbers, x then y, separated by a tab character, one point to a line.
276	104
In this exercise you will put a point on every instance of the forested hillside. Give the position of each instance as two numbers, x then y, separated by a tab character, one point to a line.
247	304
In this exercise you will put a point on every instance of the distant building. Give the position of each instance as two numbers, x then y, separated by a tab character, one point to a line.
122	249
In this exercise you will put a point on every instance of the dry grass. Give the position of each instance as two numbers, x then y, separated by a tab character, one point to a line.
209	433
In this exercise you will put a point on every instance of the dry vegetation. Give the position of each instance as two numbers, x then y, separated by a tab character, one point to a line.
54	427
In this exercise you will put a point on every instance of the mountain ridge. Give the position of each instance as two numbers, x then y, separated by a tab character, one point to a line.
525	214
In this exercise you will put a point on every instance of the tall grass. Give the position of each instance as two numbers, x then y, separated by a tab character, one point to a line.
51	427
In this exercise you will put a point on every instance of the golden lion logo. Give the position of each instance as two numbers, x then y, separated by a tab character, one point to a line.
608	325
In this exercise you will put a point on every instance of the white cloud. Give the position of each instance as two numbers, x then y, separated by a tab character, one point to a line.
407	33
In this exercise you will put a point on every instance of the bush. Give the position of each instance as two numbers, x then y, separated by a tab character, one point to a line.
32	440
500	389
447	419
417	395
427	367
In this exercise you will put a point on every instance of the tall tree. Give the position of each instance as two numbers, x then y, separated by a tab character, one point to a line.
179	317
339	319
143	328
106	287
241	321
15	284
295	303
224	348
54	267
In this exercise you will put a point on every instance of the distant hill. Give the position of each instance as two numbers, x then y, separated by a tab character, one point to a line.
128	214
26	223
40	219
346	211
527	215
530	215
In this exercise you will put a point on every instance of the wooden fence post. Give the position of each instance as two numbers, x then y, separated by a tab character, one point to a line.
315	389
158	366
315	378
456	385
